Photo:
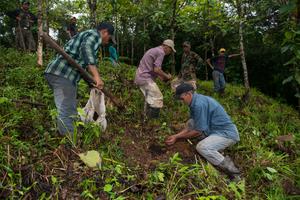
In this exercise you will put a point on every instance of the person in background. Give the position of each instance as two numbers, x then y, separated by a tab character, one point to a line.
63	78
113	55
72	28
208	118
190	61
218	64
24	22
149	69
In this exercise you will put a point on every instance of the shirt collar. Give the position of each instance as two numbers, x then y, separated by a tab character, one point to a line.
193	100
100	36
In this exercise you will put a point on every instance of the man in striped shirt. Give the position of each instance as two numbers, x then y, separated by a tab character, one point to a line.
63	78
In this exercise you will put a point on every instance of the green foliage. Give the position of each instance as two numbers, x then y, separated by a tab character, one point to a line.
34	161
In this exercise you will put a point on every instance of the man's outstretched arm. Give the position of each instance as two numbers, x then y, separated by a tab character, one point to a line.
162	74
209	63
184	134
234	55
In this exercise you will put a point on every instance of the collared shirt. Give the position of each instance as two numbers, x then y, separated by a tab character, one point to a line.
113	55
151	59
219	62
83	48
211	118
189	63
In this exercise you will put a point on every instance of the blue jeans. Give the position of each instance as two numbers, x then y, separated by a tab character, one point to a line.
65	93
210	146
219	80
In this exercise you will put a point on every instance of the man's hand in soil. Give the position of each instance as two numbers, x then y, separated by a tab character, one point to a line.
171	140
184	134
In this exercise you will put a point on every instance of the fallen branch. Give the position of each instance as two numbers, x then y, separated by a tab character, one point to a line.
28	102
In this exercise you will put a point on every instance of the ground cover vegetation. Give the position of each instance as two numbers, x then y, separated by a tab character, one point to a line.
37	164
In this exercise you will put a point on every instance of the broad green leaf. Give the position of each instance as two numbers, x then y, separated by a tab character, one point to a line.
272	170
3	100
91	158
120	198
287	80
297	77
107	188
269	176
118	169
161	176
285	48
288	35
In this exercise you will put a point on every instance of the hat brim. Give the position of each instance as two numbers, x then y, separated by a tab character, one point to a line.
173	49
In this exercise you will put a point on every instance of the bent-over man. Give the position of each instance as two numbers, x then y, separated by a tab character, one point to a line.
149	69
63	78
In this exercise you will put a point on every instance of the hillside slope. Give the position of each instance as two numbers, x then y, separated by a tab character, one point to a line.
35	162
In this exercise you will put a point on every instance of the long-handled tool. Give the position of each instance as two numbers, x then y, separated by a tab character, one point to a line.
85	75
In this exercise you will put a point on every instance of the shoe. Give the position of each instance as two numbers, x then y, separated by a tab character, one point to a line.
229	168
153	113
222	92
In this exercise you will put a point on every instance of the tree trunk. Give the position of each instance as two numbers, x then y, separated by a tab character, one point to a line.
40	32
173	22
243	58
46	17
240	12
93	6
242	49
206	70
144	31
212	46
132	49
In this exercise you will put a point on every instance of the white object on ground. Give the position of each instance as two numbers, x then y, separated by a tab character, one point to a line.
95	104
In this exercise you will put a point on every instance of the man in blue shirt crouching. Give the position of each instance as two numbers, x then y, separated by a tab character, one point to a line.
208	117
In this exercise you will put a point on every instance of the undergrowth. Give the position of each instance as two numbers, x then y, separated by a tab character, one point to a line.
36	163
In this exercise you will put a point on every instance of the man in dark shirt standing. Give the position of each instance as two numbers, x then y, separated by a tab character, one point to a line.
218	64
24	21
72	28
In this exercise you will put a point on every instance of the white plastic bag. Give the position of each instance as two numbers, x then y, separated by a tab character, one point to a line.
95	107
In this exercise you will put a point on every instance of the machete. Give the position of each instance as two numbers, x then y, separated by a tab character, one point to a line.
85	75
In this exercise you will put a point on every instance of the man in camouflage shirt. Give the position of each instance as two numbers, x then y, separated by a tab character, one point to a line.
189	62
24	22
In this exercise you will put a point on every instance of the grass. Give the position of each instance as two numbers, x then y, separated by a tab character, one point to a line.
35	163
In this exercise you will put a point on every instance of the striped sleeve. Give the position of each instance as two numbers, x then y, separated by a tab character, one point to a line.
88	47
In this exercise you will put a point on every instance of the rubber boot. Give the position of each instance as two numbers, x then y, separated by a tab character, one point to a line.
153	113
230	169
222	92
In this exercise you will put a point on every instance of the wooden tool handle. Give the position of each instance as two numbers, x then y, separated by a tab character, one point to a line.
85	75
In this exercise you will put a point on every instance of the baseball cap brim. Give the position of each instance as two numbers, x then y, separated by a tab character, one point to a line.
182	88
173	49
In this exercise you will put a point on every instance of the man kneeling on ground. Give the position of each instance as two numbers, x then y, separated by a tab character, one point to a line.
208	117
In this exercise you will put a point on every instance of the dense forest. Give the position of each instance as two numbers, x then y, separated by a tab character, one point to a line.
269	30
262	98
